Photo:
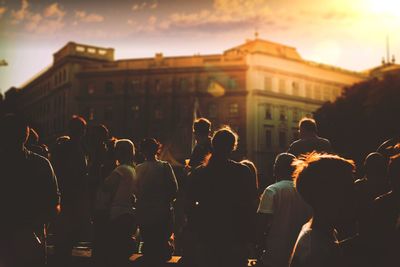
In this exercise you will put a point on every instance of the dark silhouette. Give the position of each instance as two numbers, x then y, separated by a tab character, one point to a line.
156	188
118	196
29	197
33	144
365	116
201	131
281	214
326	184
220	201
309	140
384	233
70	164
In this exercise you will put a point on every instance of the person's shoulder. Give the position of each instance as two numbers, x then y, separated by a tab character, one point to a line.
303	245
125	167
38	159
238	165
384	200
199	170
297	142
323	140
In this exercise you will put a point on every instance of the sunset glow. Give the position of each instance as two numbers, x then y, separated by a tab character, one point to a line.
349	34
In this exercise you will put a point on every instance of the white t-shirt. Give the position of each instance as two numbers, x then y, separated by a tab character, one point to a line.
290	213
315	249
124	177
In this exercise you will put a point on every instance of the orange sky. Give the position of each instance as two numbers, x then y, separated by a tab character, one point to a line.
349	34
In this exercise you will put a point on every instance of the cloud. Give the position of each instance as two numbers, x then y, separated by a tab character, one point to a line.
21	13
49	20
144	5
2	11
53	11
91	17
224	15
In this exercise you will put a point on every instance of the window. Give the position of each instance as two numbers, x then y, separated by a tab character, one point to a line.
102	52
296	88
268	83
91	50
296	115
90	89
232	83
91	114
183	83
282	114
80	49
327	93
212	110
282	139
109	87
317	92
135	109
157	85
268	112
233	109
308	90
108	113
268	138
158	113
282	86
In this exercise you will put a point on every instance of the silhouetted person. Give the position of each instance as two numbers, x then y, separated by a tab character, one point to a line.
97	159
282	213
384	230
29	196
372	185
201	132
220	199
309	140
33	144
326	183
156	189
120	222
70	164
388	147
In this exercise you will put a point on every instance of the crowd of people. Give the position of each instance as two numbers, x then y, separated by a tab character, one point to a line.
96	187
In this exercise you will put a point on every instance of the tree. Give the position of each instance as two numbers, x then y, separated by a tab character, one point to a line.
363	117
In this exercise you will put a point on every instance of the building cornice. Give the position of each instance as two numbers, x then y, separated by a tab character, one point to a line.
297	75
258	92
164	70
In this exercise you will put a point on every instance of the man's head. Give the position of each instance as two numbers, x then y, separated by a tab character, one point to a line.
224	142
326	183
100	133
375	168
283	167
307	127
201	128
124	151
394	173
150	147
77	127
14	132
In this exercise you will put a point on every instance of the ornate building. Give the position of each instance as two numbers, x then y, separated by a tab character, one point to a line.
260	88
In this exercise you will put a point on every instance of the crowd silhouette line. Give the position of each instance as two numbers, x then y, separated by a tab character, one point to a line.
91	186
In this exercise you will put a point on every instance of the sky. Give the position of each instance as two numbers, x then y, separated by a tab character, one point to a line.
349	34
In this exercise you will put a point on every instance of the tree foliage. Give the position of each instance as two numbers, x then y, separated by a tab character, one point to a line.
367	114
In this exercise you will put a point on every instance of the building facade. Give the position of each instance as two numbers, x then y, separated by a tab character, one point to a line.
260	88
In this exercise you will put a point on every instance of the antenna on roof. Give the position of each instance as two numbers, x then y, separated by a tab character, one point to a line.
256	34
387	50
